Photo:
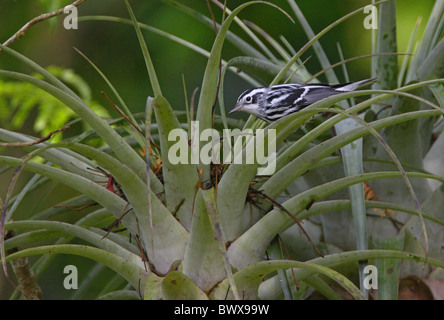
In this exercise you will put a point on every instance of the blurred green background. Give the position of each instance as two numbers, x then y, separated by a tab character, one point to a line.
114	48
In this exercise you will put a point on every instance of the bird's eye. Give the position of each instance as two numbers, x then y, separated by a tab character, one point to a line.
248	99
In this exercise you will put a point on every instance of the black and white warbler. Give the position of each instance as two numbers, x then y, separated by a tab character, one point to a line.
274	102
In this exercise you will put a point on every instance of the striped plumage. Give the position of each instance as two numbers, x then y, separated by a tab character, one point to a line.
274	102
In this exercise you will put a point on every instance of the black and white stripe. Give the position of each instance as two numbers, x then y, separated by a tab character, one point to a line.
274	102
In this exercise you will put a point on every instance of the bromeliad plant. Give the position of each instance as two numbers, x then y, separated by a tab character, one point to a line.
213	231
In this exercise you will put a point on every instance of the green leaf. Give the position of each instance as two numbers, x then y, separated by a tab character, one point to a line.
426	44
388	269
386	65
433	66
146	55
313	40
64	158
107	199
319	51
433	205
82	233
231	201
203	262
280	180
250	247
434	159
339	259
162	220
208	92
153	289
37	68
120	295
136	276
108	82
108	134
243	45
153	241
262	69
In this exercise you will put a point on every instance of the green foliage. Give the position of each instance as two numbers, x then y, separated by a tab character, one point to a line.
18	99
53	5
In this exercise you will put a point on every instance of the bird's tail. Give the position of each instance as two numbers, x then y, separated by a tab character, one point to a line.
355	85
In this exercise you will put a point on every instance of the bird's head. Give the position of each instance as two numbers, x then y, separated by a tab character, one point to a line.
249	101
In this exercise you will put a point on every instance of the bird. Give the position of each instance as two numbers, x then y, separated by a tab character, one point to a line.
277	101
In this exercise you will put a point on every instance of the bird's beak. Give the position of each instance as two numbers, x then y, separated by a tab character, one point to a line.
236	108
